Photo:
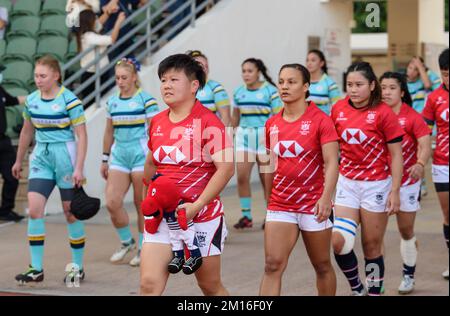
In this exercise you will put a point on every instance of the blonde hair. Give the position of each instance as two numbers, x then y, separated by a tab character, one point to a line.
128	65
52	63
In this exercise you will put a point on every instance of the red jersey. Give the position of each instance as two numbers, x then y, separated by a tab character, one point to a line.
364	134
415	127
299	176
436	110
183	151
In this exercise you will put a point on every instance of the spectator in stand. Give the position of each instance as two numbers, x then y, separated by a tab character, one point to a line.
88	36
114	8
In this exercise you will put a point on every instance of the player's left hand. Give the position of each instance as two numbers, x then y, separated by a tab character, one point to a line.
416	172
393	204
323	209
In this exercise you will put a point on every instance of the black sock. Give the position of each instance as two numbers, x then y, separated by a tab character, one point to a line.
349	266
375	275
407	270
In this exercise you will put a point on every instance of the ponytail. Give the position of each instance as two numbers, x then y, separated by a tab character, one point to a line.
261	67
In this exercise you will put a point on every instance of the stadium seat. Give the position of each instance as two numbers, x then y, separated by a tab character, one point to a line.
73	49
14	121
26	26
54	25
26	7
2	48
53	45
20	48
16	91
52	7
18	72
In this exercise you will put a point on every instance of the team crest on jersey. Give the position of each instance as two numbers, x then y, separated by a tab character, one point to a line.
444	115
402	121
133	105
158	132
34	106
371	117
169	155
189	132
114	105
319	88
260	96
202	94
288	149
305	127
440	101
341	117
274	130
56	107
354	136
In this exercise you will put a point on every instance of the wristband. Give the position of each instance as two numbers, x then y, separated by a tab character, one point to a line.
105	157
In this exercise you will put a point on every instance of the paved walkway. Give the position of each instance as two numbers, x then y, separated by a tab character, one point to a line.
243	259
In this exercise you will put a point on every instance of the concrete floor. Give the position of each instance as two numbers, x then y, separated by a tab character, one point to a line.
242	261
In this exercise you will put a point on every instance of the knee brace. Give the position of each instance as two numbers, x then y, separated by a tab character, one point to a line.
408	249
347	228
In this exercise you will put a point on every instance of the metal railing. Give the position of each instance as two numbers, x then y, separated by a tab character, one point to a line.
142	35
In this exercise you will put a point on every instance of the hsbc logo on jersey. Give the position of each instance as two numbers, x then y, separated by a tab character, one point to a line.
444	115
169	155
288	149
354	136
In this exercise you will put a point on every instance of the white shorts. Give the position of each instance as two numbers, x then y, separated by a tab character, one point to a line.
409	197
369	195
210	236
440	174
305	222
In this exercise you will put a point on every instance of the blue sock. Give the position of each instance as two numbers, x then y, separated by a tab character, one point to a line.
125	235
36	237
246	207
77	242
141	240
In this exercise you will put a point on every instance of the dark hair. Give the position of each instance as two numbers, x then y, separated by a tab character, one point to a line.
367	71
196	53
87	24
422	60
443	60
306	76
191	67
401	79
261	67
321	56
